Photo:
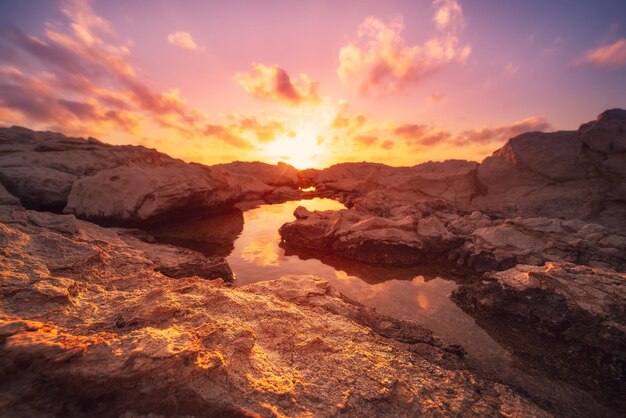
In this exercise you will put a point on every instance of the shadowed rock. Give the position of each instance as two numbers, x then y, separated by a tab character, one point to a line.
566	320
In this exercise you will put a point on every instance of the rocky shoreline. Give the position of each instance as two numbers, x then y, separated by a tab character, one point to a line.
100	317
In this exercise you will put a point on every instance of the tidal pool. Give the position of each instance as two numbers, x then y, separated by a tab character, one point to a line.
250	242
407	293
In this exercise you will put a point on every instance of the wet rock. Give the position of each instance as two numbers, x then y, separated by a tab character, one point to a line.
568	320
372	239
102	332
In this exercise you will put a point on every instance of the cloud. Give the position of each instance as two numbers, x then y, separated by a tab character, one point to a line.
436	97
382	61
511	69
78	79
366	140
502	133
611	56
416	135
182	40
274	84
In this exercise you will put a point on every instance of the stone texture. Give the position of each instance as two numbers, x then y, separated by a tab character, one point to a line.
138	194
570	319
7	198
403	240
128	184
89	327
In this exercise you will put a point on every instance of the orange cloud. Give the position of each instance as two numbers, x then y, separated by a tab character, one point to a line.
436	97
274	84
421	135
182	40
76	79
610	56
383	61
366	140
502	133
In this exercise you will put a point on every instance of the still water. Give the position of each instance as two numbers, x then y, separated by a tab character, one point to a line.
405	293
251	244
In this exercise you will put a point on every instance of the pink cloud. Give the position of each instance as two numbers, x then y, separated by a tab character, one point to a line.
503	132
609	56
383	61
182	40
274	84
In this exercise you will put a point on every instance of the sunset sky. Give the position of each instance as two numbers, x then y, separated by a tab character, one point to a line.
311	83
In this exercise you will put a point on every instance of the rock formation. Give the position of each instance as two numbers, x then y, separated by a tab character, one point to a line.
570	319
127	322
90	325
49	171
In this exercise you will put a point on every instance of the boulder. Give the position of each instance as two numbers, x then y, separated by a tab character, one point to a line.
138	194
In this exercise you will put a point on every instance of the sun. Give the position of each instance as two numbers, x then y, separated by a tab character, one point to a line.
304	150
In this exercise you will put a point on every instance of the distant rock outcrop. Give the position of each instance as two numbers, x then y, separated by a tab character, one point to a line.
565	175
127	184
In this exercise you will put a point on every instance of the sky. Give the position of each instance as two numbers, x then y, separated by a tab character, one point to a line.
311	83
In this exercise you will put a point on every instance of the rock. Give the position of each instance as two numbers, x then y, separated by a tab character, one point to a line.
38	187
277	175
368	238
139	194
89	327
537	240
283	194
573	174
570	319
7	198
40	167
452	181
49	171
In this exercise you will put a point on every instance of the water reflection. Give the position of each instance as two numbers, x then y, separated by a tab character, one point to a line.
213	236
416	293
252	245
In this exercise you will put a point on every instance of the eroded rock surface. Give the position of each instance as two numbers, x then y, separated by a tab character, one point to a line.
127	184
89	326
569	319
436	231
562	175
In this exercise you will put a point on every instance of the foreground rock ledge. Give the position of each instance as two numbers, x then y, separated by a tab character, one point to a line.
567	320
89	327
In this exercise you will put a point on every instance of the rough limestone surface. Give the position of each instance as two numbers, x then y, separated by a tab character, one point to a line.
452	180
572	174
575	314
139	194
535	241
564	175
89	327
402	240
475	241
